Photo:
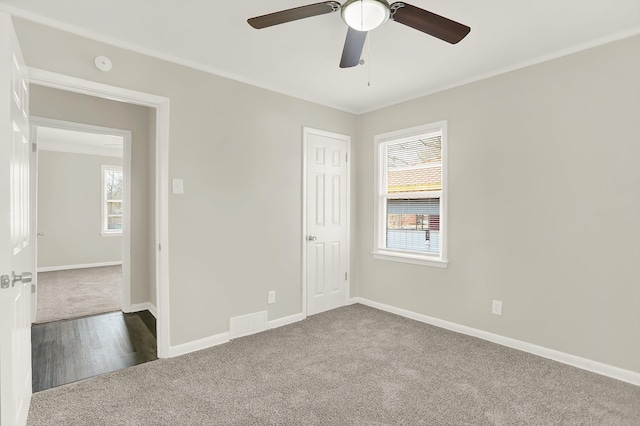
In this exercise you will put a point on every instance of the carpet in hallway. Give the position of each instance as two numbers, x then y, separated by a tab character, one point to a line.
75	293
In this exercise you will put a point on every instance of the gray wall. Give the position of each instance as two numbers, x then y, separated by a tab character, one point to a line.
70	210
238	149
544	183
544	206
67	106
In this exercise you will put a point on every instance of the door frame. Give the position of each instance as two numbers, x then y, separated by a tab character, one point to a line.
306	131
161	105
37	122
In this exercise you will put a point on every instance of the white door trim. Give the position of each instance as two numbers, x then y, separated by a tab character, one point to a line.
161	105
305	132
37	122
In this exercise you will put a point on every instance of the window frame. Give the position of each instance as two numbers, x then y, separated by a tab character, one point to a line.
104	231
380	251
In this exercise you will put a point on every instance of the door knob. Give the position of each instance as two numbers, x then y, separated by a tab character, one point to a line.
312	238
25	278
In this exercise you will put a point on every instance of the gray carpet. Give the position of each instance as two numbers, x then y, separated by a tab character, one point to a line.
351	366
78	292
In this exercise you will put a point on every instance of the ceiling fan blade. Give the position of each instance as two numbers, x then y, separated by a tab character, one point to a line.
294	14
428	22
352	48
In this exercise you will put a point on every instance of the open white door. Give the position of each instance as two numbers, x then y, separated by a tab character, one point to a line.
17	260
327	220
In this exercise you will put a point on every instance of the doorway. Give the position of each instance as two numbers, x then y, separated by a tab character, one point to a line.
159	107
82	193
88	226
125	211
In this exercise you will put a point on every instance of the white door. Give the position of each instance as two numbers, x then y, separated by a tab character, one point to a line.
327	248
16	253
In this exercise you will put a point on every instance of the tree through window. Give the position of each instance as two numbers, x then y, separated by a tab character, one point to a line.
112	199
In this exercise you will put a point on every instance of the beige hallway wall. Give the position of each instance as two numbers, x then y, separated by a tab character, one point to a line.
70	210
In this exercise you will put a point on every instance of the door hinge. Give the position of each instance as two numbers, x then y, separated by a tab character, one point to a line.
345	276
159	247
34	147
346	157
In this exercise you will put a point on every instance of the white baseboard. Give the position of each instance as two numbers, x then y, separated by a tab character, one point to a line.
565	358
81	266
199	344
285	320
225	337
137	307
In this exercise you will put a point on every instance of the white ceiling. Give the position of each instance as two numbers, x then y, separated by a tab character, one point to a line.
64	140
301	58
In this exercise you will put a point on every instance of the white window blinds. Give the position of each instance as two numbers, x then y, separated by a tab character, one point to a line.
412	192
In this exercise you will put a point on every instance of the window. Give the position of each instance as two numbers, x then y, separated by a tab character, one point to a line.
410	208
112	200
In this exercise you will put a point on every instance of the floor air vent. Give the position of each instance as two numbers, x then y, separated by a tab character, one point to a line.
247	324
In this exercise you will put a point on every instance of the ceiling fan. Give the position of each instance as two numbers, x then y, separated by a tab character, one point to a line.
364	15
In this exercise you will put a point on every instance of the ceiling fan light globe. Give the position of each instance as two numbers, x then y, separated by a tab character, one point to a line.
365	15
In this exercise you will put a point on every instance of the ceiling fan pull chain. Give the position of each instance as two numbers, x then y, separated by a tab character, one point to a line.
369	61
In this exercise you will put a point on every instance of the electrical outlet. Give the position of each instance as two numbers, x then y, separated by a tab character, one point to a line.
272	297
496	307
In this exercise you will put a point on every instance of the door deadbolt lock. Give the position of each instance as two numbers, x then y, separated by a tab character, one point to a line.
5	281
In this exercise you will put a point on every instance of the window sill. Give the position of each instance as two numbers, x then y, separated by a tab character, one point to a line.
410	258
111	234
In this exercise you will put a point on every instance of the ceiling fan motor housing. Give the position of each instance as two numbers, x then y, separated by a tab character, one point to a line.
365	15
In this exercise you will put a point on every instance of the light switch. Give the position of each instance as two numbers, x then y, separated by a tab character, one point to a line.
178	186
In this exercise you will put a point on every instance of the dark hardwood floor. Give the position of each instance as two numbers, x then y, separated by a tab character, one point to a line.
69	350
